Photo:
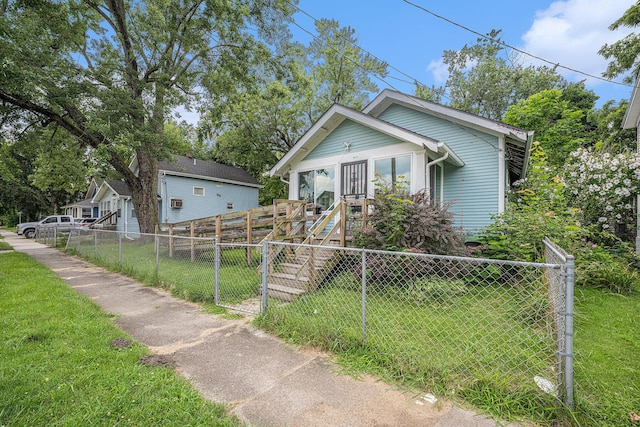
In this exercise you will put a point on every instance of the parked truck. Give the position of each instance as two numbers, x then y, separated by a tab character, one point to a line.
59	222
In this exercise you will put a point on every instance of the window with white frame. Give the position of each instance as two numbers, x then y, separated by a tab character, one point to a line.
198	191
317	186
176	203
393	170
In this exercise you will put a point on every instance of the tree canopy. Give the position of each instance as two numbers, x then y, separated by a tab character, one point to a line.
111	72
484	79
625	53
260	122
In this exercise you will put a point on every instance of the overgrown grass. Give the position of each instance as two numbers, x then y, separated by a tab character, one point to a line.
472	345
58	368
607	362
191	280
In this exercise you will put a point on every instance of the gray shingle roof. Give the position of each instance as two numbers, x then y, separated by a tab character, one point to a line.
119	186
208	169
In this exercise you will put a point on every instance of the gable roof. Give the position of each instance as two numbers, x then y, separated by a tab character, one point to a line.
337	114
632	116
116	186
518	141
86	203
203	169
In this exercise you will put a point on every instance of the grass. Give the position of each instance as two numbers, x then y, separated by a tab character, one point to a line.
454	352
59	369
192	281
607	362
4	246
472	346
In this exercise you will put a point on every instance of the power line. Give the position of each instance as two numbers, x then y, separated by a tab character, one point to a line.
486	37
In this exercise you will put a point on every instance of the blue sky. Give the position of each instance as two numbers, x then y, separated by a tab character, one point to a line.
568	32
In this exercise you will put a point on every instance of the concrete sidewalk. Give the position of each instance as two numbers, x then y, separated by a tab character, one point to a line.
264	381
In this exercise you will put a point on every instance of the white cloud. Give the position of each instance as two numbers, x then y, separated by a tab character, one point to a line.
439	70
570	32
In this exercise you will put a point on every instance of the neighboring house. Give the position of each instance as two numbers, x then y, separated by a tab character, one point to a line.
84	208
459	157
632	120
188	188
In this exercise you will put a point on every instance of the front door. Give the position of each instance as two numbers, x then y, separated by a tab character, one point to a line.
354	179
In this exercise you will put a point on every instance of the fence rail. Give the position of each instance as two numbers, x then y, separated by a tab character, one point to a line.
447	322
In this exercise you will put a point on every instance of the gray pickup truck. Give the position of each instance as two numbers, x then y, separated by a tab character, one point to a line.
59	222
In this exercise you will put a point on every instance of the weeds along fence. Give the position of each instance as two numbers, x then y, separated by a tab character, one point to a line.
449	324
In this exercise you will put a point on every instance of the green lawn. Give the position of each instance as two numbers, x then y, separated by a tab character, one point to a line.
473	345
607	363
191	280
4	246
58	369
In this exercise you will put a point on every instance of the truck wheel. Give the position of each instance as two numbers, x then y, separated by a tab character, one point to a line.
30	233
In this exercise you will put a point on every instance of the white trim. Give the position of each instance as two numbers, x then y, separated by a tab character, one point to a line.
502	174
632	116
388	97
193	189
297	172
331	119
409	154
208	178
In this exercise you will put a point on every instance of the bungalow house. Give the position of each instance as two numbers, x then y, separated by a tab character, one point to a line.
84	208
632	121
458	157
188	188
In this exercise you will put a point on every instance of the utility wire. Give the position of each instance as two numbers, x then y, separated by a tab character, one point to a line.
484	36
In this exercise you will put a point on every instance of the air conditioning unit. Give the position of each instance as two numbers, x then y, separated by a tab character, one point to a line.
176	203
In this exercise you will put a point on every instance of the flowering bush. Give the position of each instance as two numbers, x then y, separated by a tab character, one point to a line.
604	186
537	209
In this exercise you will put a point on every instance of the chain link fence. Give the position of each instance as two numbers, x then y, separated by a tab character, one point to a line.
447	323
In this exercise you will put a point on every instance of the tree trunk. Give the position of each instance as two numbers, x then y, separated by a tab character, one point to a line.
145	191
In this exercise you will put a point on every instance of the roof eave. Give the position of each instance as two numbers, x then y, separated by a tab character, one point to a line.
631	117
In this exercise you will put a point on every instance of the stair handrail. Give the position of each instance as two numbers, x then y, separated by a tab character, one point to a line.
103	218
323	221
309	263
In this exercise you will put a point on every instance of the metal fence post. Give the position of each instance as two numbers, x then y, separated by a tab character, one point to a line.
157	248
120	248
568	331
79	236
95	243
265	274
216	271
363	279
55	237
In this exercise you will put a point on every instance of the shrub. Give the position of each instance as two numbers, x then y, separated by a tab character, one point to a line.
537	209
611	276
401	221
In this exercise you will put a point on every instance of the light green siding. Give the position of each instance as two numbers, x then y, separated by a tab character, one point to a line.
359	137
473	189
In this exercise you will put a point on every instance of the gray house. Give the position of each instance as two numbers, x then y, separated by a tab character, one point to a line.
458	157
188	188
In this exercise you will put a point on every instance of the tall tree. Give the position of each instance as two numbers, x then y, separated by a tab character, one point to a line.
262	121
485	79
625	53
110	72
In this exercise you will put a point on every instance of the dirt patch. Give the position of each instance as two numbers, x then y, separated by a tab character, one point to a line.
164	360
120	343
